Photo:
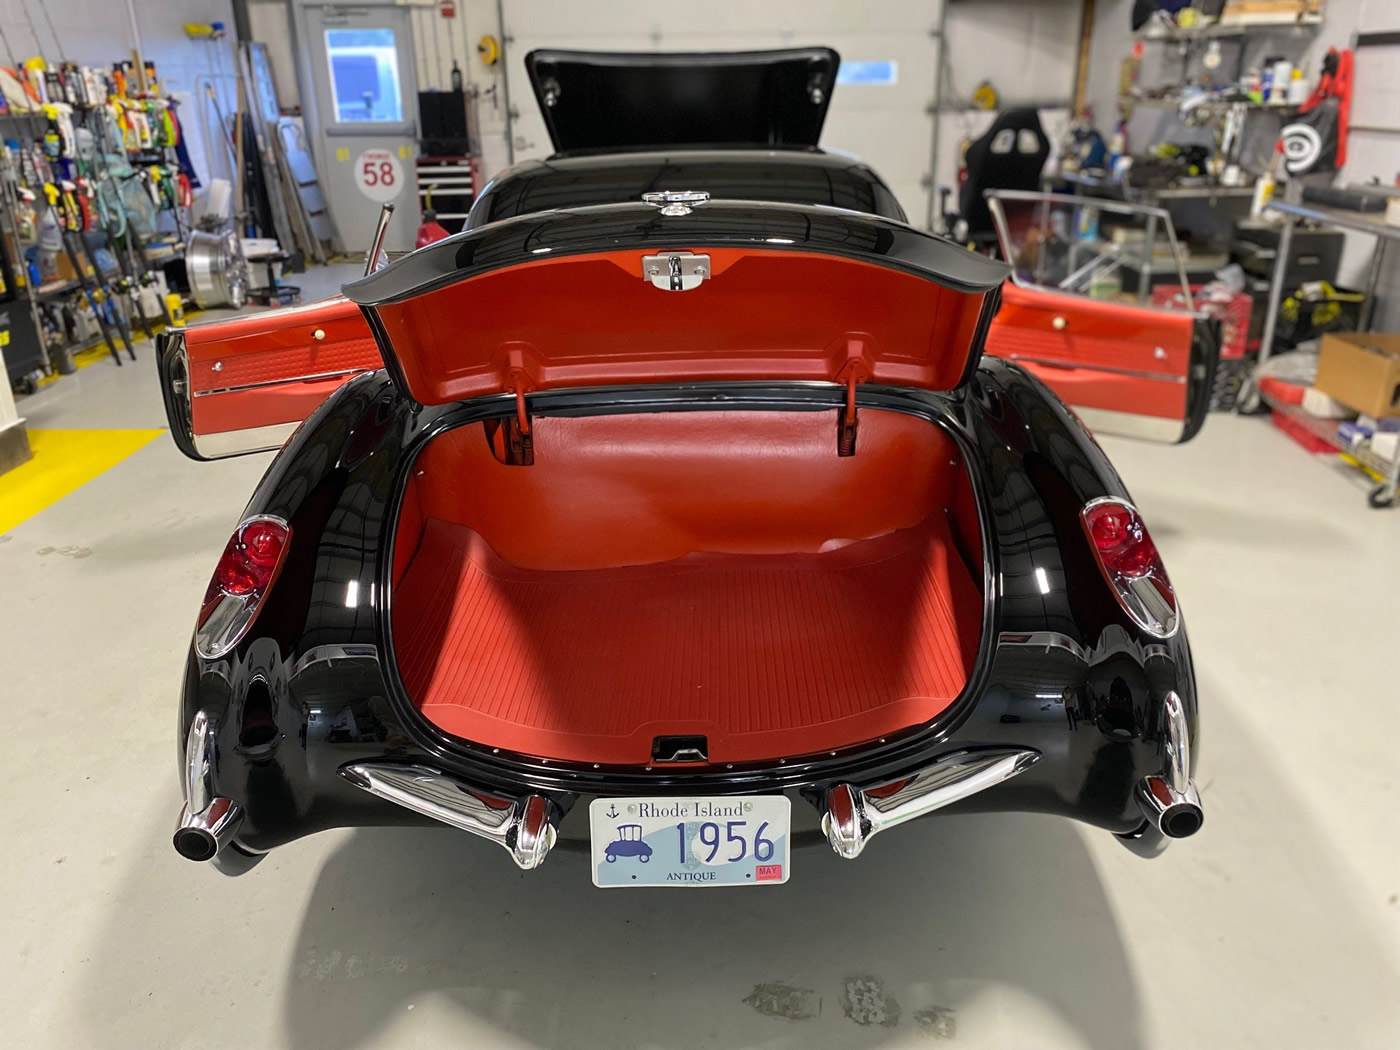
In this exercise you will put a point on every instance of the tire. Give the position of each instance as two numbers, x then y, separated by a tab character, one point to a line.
644	857
610	857
1379	498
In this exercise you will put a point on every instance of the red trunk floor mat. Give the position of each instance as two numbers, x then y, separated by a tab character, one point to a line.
765	655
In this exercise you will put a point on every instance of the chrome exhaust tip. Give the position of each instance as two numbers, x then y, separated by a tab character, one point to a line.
526	828
1176	814
852	816
208	821
200	836
1170	801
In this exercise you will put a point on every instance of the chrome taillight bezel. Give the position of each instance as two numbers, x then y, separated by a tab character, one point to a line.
225	617
1141	596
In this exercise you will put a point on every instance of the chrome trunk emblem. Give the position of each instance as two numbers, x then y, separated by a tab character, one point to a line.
676	202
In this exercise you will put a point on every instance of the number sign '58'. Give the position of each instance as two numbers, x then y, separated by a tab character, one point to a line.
379	175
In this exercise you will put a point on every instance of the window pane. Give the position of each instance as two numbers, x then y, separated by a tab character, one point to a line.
364	66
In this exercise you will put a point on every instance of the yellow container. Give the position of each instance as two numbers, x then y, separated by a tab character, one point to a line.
176	306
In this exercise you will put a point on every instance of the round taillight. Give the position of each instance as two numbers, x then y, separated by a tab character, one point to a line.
1131	564
1120	539
250	558
233	578
1108	526
1136	558
262	542
246	570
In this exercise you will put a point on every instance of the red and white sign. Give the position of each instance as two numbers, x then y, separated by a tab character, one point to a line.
448	8
379	175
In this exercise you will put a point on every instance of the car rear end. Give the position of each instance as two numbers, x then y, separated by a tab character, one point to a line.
782	564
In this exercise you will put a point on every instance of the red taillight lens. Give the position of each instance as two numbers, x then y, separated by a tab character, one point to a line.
1130	562
245	571
249	560
1120	538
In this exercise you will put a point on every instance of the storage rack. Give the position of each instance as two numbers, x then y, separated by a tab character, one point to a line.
1385	472
450	184
80	185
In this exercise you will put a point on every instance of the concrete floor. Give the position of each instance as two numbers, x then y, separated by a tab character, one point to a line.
1278	926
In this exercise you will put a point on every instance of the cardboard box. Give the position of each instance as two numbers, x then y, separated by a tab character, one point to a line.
1361	370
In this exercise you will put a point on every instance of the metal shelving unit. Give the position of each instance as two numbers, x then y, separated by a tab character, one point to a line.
1226	30
1386	472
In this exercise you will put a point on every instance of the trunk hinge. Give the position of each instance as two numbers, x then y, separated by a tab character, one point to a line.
520	443
852	372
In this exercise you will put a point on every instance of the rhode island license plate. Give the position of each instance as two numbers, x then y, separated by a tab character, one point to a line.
724	840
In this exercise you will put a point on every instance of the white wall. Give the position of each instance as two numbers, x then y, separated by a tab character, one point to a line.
1027	48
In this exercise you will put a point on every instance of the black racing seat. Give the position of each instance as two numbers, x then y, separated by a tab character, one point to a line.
1010	155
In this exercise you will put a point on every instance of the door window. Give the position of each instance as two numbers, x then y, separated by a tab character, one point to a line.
1101	249
364	71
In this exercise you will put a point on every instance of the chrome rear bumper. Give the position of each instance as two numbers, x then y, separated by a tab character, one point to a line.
526	828
855	815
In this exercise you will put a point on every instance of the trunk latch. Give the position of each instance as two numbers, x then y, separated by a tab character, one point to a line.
680	749
676	271
852	372
520	443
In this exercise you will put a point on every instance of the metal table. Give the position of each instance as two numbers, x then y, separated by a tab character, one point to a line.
1361	222
1383	495
1210	191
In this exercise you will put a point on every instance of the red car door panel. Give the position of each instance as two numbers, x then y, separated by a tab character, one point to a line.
252	379
1124	368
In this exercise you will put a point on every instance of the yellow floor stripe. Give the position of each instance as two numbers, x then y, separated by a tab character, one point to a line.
64	460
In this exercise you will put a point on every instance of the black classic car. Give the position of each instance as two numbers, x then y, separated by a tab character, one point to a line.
680	525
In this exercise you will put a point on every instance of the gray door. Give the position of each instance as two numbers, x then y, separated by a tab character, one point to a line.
359	61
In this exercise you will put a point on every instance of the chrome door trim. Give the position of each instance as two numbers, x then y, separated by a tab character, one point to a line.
282	382
1068	366
252	439
1130	424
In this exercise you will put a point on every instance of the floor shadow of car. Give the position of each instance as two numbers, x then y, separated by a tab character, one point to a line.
882	951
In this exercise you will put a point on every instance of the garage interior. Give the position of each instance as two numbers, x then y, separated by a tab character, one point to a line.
230	158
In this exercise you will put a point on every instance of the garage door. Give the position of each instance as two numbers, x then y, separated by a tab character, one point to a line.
884	120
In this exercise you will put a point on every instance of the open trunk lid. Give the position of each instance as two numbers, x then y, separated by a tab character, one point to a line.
681	289
597	100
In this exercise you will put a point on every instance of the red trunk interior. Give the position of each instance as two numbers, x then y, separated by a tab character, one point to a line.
722	574
593	319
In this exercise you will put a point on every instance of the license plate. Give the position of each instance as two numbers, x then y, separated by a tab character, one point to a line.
723	840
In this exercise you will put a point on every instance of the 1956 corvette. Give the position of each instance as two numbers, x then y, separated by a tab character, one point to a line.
686	520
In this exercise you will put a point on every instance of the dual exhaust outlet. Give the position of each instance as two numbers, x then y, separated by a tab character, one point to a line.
527	828
1170	801
208	822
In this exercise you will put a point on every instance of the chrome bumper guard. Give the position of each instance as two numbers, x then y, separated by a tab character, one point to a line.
1170	801
852	816
207	821
525	828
